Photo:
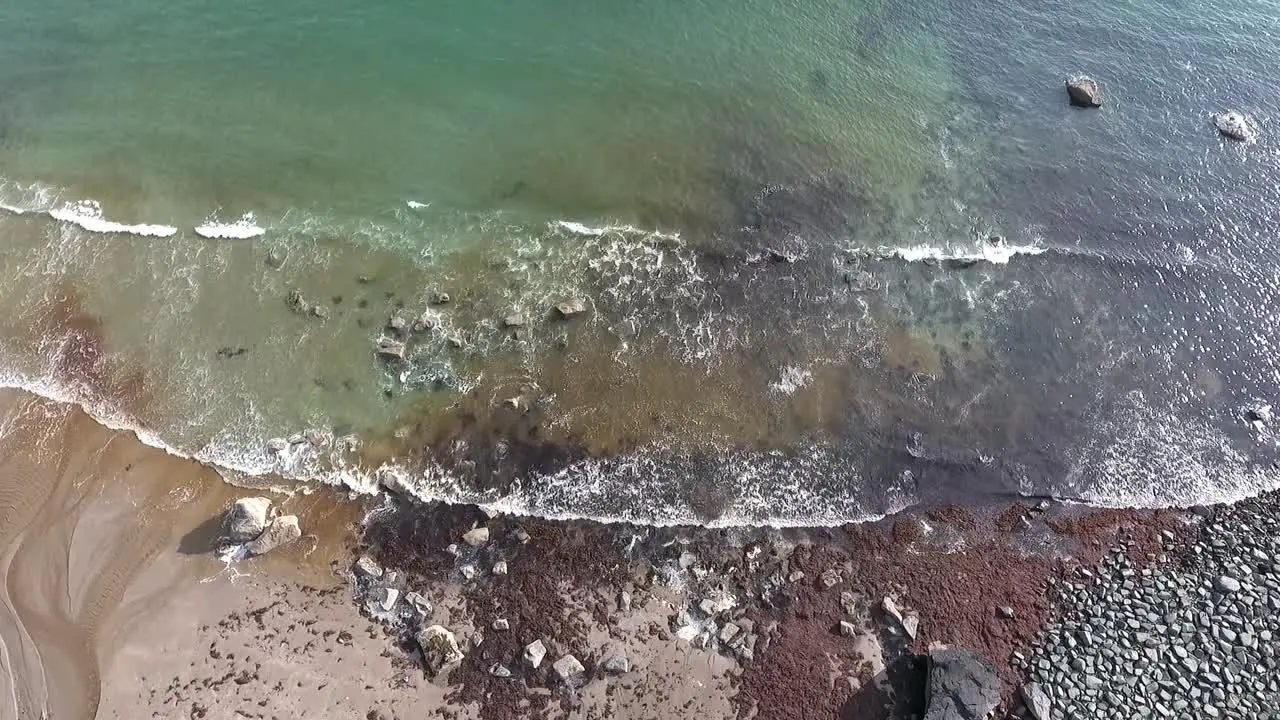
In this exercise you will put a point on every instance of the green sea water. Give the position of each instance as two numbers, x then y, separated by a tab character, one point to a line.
836	257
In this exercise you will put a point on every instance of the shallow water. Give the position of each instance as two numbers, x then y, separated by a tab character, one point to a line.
778	216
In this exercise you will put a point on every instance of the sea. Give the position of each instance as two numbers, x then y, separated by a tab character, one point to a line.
833	258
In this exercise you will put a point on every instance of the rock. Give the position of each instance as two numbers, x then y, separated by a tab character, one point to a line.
246	519
439	649
687	560
568	669
514	320
533	654
571	307
440	298
387	598
1236	126
500	567
1226	584
729	632
275	259
624	601
499	670
911	624
1036	701
848	629
391	349
1084	91
830	578
1004	612
476	536
282	531
296	303
468	572
521	535
319	311
961	686
276	446
419	604
891	609
1259	414
615	665
501	624
366	568
426	321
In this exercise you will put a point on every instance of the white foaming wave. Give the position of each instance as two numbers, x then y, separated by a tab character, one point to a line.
88	215
768	490
243	229
26	199
415	205
995	253
577	228
793	378
1145	457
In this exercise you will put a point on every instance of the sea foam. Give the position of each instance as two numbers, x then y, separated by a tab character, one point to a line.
88	215
243	229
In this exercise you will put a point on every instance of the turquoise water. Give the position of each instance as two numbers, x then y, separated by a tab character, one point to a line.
779	216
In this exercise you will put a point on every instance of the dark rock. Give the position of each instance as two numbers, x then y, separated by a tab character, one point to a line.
1084	91
1036	701
319	311
961	686
226	353
428	320
282	531
440	298
246	519
1236	126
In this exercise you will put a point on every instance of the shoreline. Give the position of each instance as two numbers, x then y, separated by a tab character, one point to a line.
664	622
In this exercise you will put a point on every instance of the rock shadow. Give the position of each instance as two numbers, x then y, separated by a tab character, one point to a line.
203	538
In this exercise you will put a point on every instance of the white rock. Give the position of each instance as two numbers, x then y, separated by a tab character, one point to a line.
688	633
421	606
534	652
476	537
911	624
282	531
468	572
848	629
500	567
501	624
367	568
389	597
246	519
1236	126
439	648
624	601
615	665
499	670
568	668
891	609
729	632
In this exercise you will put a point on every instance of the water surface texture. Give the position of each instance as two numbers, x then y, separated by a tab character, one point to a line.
834	258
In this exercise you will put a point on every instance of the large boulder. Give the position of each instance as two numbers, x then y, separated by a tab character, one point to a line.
439	648
962	686
1084	91
282	531
246	519
1236	126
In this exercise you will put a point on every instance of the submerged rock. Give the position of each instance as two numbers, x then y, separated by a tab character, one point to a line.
391	348
1236	126
1084	91
439	648
246	519
571	307
296	303
514	320
961	686
282	531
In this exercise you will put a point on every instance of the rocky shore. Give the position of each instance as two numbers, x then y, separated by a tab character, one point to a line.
1025	611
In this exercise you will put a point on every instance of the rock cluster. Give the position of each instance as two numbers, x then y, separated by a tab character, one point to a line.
249	523
1196	641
